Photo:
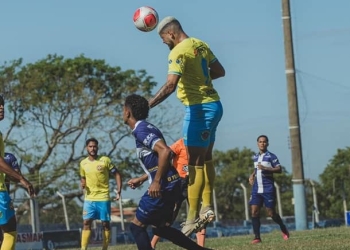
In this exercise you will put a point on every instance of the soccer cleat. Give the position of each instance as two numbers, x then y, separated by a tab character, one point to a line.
206	216
256	241
189	227
285	234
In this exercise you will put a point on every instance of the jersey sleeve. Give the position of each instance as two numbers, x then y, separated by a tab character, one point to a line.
211	57
176	63
81	170
111	167
147	137
274	161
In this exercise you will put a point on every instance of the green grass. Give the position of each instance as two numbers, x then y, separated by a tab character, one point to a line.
320	239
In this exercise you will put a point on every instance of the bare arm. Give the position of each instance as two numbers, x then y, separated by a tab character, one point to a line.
16	176
164	157
83	182
137	181
276	169
216	70
165	91
118	180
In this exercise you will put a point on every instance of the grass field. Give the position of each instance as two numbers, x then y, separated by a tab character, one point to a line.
320	239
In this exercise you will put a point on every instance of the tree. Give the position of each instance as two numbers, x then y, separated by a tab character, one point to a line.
335	185
54	105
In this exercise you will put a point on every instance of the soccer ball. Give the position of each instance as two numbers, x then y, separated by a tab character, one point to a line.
146	18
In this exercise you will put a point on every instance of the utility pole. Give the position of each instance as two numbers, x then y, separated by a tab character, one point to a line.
294	126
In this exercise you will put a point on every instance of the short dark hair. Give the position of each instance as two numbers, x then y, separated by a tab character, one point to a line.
91	140
264	136
138	105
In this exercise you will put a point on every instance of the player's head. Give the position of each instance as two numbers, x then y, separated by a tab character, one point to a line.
2	108
92	147
169	30
263	142
135	107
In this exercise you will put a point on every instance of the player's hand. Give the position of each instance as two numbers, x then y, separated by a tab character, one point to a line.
134	183
117	194
154	190
28	186
261	167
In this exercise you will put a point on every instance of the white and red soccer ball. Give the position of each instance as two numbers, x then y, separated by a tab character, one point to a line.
146	18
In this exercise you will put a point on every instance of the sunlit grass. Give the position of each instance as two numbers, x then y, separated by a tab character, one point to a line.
320	239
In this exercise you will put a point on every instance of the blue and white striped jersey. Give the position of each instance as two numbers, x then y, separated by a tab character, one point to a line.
264	182
146	136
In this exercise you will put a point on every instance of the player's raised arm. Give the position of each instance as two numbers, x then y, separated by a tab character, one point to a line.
165	91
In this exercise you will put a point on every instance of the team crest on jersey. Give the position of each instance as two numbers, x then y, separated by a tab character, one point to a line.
99	168
205	135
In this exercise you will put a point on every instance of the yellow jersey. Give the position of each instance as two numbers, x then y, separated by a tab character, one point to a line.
2	154
96	174
190	59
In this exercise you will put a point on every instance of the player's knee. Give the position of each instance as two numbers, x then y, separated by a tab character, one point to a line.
270	212
87	224
106	225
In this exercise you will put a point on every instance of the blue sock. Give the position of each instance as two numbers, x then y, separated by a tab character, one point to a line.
256	227
140	234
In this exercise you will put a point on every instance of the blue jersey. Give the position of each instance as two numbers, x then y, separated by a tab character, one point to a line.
11	160
264	182
146	136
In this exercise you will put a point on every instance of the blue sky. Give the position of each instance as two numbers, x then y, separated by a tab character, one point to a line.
246	36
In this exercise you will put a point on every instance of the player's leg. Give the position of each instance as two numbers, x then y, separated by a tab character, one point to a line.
181	198
270	204
104	214
256	201
89	214
213	115
196	140
8	222
146	213
201	237
163	229
176	237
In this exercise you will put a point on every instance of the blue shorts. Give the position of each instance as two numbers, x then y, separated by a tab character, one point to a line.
7	210
267	199
158	211
200	123
97	210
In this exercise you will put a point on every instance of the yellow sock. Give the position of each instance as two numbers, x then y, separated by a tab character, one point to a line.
106	238
195	188
85	238
9	241
209	177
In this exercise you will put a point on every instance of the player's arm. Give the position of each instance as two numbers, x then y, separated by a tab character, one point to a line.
15	176
251	178
165	91
164	158
275	169
216	70
83	182
118	180
137	181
